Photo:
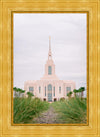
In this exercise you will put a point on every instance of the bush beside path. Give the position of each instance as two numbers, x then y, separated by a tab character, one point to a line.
35	111
25	109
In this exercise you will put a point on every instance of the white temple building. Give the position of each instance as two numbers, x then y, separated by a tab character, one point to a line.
49	88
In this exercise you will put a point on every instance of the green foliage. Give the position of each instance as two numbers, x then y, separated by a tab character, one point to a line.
18	90
38	99
75	92
72	111
30	94
81	89
69	94
25	109
15	89
62	99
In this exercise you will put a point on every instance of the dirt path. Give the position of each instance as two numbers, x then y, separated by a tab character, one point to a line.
48	117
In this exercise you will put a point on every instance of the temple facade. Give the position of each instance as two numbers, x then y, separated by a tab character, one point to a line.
49	88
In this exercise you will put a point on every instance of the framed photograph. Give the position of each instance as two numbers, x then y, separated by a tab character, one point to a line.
49	62
50	100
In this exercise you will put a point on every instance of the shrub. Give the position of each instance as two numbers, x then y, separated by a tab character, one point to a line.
25	109
62	99
75	111
72	111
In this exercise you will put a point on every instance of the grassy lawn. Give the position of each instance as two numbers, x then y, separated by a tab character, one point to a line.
72	111
25	109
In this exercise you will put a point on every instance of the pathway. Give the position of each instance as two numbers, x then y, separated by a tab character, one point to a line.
47	117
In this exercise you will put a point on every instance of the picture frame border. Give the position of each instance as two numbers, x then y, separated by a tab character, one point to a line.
8	7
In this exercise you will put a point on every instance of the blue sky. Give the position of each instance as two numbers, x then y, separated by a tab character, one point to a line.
68	44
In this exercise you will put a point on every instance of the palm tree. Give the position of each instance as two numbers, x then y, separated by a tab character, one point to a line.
15	89
69	94
19	91
75	91
30	94
81	89
22	91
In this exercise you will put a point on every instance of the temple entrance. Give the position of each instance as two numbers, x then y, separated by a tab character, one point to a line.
49	93
44	99
55	99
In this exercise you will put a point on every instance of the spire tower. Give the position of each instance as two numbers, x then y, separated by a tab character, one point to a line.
49	54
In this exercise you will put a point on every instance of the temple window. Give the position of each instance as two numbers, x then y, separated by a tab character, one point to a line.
39	89
31	88
59	89
54	90
49	70
45	91
49	87
68	88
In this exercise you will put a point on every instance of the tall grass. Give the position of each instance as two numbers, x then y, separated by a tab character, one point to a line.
25	109
72	110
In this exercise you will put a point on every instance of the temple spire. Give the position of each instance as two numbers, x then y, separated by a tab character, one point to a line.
49	43
49	54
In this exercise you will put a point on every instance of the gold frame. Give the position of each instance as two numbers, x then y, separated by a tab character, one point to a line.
92	128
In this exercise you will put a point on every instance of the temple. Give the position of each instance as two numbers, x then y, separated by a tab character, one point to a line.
49	88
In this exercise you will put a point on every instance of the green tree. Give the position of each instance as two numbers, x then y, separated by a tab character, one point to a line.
81	90
19	90
15	90
69	94
30	94
75	91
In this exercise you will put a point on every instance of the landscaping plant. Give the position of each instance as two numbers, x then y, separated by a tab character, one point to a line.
25	109
72	111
